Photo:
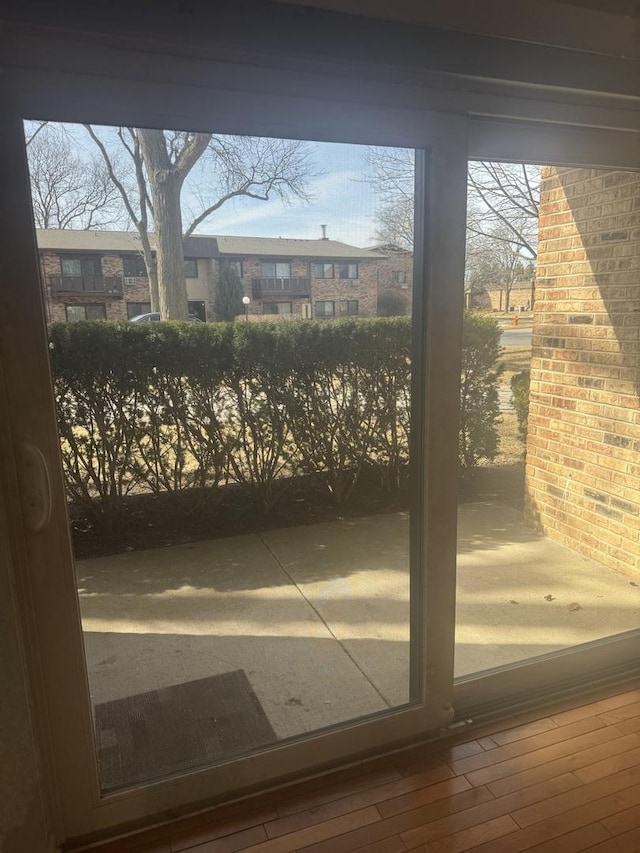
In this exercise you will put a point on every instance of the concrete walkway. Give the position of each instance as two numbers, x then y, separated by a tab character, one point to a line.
317	616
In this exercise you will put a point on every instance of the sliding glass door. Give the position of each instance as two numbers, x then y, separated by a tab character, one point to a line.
227	523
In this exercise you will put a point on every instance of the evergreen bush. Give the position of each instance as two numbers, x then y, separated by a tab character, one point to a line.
171	407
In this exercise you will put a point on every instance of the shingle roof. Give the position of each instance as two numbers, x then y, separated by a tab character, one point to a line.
288	248
67	239
201	245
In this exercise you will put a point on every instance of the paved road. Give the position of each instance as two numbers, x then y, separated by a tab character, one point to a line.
516	337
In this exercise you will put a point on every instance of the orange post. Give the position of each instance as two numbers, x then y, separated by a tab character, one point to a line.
515	319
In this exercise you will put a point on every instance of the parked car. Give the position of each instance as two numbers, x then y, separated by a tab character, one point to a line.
154	317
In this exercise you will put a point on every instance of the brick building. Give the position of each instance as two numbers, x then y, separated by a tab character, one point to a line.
97	275
582	470
394	279
520	297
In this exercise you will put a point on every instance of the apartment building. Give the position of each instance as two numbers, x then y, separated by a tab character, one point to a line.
100	275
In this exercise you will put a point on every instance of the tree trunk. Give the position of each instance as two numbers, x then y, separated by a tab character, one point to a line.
172	288
165	185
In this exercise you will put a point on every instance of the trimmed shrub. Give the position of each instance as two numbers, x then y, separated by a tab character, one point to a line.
520	398
479	405
170	407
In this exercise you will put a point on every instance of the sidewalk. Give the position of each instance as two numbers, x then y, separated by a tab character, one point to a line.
317	616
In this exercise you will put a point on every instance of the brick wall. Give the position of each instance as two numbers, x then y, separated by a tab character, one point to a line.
136	290
390	269
583	446
364	289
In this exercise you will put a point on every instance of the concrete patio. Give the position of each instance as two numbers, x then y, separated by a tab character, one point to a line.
317	616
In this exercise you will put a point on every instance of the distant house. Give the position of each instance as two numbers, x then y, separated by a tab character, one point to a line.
394	278
100	275
520	298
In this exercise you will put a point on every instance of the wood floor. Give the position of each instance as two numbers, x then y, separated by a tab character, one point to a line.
562	783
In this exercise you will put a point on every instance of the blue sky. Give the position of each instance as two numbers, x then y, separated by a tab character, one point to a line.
340	197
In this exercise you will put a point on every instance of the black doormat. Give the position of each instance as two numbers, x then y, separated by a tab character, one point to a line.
166	731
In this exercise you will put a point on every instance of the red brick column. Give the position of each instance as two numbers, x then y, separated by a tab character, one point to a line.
583	445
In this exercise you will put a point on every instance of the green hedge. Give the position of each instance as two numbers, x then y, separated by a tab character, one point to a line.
170	407
520	383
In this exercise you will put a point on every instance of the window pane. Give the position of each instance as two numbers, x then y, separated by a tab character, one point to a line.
190	268
133	266
136	308
549	520
259	516
197	309
325	308
96	312
71	266
75	313
348	271
91	266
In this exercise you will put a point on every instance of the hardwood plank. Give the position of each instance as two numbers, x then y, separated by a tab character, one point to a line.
487	743
520	732
589	793
421	784
469	838
184	837
625	713
480	814
230	843
588	813
623	821
612	763
527	745
320	832
535	837
565	764
397	824
327	793
628	843
572	842
387	845
629	726
423	796
541	756
591	709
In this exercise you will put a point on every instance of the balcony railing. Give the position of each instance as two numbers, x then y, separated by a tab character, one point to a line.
281	286
82	285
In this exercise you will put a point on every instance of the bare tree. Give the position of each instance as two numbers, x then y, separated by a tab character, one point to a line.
502	202
391	174
219	168
67	189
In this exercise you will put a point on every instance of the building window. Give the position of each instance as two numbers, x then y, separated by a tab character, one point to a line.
133	266
349	308
325	308
233	264
277	308
347	270
399	277
135	308
275	269
197	309
79	266
323	271
92	311
190	266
